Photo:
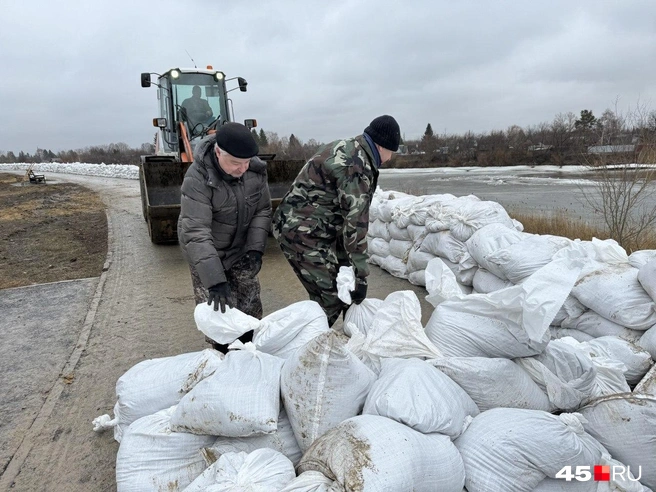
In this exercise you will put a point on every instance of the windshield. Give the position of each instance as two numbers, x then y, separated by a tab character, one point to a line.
198	99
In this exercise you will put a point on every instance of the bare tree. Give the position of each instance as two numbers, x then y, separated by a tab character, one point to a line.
624	188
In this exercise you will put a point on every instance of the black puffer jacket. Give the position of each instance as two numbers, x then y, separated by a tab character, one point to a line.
222	218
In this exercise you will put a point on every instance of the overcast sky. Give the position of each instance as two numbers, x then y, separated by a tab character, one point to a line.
69	75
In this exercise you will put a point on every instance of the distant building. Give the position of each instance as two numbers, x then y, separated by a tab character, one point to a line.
539	147
611	149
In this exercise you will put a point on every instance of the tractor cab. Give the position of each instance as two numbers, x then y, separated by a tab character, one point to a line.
192	104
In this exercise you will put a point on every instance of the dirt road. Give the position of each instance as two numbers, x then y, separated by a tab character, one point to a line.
141	307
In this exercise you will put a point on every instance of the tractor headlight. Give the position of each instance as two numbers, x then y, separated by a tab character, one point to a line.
175	74
219	76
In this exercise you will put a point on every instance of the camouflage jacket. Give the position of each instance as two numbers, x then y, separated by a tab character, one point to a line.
329	200
222	218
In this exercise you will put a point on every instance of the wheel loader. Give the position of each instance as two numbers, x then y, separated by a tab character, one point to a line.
193	103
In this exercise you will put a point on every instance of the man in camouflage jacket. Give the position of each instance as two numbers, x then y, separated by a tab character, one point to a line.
322	222
225	218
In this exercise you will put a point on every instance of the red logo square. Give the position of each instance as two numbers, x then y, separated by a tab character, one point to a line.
602	473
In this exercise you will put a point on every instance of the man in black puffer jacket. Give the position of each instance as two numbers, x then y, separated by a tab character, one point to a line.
224	223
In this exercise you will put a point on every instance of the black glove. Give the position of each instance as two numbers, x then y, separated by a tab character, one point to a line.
219	295
255	258
359	294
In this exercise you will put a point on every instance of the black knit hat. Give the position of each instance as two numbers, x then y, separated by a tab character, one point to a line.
385	131
236	140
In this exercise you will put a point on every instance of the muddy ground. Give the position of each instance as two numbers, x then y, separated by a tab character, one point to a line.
50	232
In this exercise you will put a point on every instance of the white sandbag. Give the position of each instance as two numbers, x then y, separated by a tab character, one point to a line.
637	360
376	260
639	258
512	449
225	327
240	399
345	283
570	310
418	260
282	440
376	454
400	249
312	481
379	229
398	233
394	266
414	393
441	283
464	271
596	326
397	330
648	341
647	278
261	470
153	458
626	426
283	331
362	315
322	384
519	260
614	292
400	202
157	384
579	336
490	239
486	282
572	376
647	386
417	278
494	382
473	216
513	322
417	233
443	244
378	246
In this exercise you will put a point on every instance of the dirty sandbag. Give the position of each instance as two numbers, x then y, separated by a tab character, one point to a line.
240	399
414	393
323	383
379	229
418	260
626	426
397	330
157	384
637	360
418	278
282	440
509	323
520	260
512	449
597	326
489	239
614	292
152	457
494	382
472	216
395	266
399	233
378	246
377	454
362	315
283	331
571	377
312	481
225	327
444	245
261	470
647	278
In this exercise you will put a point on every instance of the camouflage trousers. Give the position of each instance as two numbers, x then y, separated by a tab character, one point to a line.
317	269
244	295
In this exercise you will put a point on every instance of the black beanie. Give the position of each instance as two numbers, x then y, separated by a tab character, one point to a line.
236	140
385	131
